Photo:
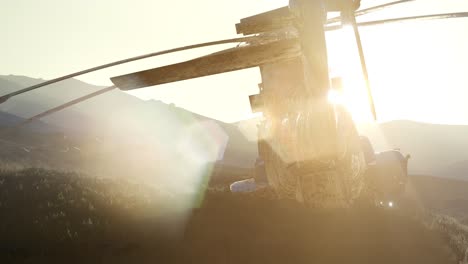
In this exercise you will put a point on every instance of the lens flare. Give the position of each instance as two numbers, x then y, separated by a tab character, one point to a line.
344	62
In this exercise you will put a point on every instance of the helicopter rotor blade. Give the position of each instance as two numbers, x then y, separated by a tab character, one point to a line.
63	106
379	7
363	66
415	18
228	60
4	98
369	10
404	19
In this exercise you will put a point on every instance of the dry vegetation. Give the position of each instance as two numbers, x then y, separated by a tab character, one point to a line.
51	217
456	233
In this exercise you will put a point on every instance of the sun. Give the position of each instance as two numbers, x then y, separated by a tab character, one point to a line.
345	63
354	98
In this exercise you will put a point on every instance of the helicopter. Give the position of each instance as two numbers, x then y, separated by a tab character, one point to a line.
310	147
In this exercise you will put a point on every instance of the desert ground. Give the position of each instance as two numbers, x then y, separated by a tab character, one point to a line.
55	217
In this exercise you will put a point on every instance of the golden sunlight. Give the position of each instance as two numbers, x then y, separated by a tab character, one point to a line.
344	62
404	71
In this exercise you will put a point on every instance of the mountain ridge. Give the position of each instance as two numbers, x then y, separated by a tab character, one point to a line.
123	118
432	147
436	149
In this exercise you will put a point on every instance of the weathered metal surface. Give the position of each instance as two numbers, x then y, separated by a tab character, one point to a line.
265	22
283	17
304	157
311	17
267	17
225	61
310	148
256	103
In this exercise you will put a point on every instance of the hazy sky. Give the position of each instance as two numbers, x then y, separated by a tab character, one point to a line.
418	70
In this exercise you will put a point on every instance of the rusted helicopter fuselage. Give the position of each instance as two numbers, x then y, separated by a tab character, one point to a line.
310	147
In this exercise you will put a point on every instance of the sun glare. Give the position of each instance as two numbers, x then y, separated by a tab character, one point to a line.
335	97
254	115
344	62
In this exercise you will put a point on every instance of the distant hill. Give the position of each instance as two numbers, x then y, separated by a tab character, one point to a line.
445	196
435	149
440	150
432	189
119	119
457	170
9	120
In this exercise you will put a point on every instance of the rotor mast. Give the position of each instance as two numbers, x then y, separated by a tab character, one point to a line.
311	16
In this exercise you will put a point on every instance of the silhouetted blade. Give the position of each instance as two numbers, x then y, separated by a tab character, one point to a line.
224	61
4	98
63	106
414	18
364	67
404	19
370	10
